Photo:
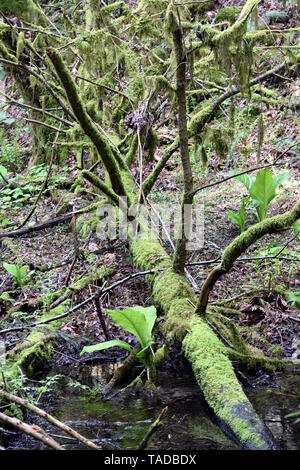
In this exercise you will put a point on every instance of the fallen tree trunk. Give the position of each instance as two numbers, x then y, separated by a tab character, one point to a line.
206	353
38	227
47	224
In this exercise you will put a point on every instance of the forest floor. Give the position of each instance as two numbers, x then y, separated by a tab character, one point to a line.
262	310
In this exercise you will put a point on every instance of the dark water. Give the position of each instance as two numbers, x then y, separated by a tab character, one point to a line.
274	398
121	423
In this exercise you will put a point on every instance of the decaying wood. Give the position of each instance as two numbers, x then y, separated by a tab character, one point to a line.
32	430
51	419
38	227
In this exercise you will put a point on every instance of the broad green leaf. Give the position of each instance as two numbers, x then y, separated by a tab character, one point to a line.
246	180
3	171
238	218
133	321
264	191
142	354
294	298
106	345
11	268
150	315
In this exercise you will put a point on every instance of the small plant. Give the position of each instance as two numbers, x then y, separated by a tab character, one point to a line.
19	273
238	218
3	174
294	298
49	384
12	197
295	414
262	190
136	320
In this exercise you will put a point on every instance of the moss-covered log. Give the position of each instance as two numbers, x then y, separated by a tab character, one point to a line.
206	353
34	353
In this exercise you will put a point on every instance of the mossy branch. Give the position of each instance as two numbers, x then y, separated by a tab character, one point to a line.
198	121
88	126
98	183
239	23
271	225
240	244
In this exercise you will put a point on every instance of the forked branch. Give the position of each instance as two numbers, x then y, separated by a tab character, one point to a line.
240	244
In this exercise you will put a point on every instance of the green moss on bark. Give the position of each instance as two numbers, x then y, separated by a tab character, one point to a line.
216	377
207	355
257	231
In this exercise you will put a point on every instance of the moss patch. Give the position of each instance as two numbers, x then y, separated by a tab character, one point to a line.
207	355
222	391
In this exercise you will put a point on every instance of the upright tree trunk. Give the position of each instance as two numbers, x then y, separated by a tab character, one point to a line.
187	198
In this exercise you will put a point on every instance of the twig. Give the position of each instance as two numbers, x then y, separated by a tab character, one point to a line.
48	19
153	428
28	217
226	301
101	317
294	319
11	101
151	179
42	80
105	87
204	263
51	419
49	320
78	306
41	123
70	271
224	180
31	430
76	248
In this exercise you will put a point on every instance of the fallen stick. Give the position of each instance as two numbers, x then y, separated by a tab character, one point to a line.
35	228
154	427
31	430
49	320
49	418
48	223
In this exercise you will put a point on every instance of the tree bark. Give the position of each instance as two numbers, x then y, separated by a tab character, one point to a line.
180	254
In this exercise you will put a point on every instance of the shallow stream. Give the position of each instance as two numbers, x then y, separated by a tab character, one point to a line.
121	423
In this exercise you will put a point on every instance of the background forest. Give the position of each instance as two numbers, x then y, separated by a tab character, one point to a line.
142	342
